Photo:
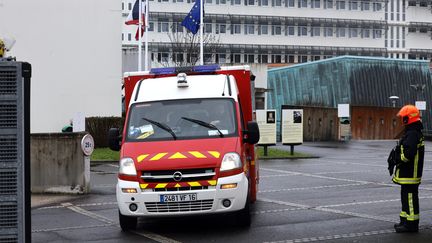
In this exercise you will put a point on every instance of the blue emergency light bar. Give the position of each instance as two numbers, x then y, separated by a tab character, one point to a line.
193	69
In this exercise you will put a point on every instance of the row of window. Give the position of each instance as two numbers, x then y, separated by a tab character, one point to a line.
275	30
421	3
326	4
222	58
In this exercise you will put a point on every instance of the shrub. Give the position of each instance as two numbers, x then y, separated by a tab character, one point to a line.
98	127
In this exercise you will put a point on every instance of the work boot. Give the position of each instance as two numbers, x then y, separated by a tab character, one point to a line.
404	228
402	221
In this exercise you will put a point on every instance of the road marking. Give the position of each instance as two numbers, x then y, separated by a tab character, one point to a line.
313	188
368	202
343	236
335	237
72	228
276	210
155	237
87	213
79	205
96	204
338	179
343	172
147	234
329	210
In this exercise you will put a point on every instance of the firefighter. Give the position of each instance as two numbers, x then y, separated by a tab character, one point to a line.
409	168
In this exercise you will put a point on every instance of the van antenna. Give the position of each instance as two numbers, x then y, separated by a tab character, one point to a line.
223	91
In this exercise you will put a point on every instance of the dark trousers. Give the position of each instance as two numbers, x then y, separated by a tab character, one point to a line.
410	213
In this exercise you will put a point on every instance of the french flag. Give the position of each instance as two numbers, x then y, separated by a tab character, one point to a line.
133	17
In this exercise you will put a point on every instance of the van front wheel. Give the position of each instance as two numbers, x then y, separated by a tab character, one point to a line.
127	222
243	216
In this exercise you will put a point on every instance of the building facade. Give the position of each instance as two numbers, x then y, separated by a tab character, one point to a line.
288	31
367	84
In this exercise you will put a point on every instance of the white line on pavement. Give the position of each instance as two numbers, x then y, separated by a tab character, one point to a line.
87	213
367	202
338	179
313	188
72	228
79	205
342	236
335	237
147	234
155	237
277	210
322	209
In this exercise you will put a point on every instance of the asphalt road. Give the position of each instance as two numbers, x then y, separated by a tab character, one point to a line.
346	195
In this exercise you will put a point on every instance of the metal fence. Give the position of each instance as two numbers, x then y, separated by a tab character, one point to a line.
14	151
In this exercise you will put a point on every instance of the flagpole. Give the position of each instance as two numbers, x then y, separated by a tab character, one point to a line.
146	66
139	36
201	33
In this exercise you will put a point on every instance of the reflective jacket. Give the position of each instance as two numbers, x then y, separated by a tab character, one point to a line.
410	167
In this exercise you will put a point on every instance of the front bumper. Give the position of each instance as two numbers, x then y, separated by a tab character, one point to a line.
208	200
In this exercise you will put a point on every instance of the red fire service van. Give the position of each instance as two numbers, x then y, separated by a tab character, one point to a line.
187	146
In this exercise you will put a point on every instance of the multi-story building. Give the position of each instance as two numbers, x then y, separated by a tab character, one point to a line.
289	31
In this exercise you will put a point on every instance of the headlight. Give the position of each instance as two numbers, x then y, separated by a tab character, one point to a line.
127	167
230	161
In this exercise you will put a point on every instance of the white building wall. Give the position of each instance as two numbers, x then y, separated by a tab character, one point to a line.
419	14
418	40
75	51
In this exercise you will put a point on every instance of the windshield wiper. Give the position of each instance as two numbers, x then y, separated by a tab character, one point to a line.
163	126
204	124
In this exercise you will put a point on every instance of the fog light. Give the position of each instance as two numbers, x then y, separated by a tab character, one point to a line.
129	190
229	186
133	207
226	203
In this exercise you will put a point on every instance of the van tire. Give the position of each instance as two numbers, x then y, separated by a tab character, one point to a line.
127	222
243	217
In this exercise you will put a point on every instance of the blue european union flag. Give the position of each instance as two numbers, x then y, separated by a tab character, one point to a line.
192	20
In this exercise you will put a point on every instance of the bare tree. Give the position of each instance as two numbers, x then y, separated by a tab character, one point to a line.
185	46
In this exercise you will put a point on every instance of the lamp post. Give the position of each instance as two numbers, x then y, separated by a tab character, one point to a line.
393	99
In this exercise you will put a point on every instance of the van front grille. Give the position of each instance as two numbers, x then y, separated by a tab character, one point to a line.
193	206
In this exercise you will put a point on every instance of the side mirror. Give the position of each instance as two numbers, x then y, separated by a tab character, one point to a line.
252	135
114	139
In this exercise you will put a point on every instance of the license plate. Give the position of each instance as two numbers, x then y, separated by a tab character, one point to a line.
178	197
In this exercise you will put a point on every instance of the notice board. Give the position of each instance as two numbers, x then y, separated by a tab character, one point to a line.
266	120
292	126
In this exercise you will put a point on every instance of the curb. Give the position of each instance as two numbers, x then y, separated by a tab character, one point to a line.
103	161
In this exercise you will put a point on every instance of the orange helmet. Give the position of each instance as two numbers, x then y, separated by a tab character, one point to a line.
409	114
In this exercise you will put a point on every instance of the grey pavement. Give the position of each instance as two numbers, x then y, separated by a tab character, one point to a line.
346	195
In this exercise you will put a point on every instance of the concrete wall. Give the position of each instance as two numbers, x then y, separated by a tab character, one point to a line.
58	164
75	51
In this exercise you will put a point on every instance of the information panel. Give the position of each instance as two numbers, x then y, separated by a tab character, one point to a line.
266	120
292	126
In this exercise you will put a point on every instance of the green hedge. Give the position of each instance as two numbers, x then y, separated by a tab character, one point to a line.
98	127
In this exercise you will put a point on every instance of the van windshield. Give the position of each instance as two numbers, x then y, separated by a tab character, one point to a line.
182	119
